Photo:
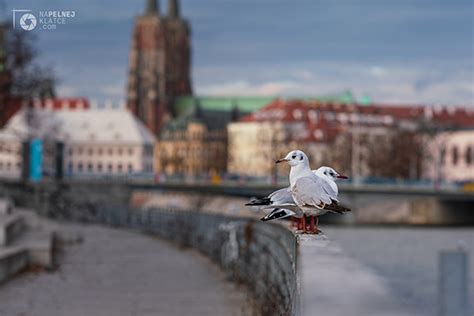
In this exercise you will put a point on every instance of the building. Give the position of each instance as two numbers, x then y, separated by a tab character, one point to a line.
8	106
159	64
453	157
200	130
95	142
359	140
195	144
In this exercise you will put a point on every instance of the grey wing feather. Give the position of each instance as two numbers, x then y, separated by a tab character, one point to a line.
329	190
312	191
281	196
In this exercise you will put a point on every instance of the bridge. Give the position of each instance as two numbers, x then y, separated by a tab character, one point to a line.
371	204
388	204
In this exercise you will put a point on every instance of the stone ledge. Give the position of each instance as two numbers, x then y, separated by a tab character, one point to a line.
11	226
12	261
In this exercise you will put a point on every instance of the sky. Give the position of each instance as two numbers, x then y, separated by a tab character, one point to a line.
403	51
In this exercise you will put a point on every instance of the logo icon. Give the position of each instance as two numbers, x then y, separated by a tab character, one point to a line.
28	22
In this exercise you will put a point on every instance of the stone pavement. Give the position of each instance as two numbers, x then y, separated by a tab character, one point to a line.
118	272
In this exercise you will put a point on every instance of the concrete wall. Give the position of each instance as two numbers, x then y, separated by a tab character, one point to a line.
259	255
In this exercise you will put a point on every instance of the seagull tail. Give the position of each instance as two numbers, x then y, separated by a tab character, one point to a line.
335	208
264	201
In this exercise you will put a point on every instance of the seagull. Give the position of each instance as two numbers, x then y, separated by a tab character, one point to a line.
281	201
313	194
278	204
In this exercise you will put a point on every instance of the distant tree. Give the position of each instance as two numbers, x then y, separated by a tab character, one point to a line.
340	154
28	79
21	77
398	155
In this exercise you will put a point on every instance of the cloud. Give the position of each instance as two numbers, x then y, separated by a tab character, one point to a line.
116	90
247	88
66	91
387	83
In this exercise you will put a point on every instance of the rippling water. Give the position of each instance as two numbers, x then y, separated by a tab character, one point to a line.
407	258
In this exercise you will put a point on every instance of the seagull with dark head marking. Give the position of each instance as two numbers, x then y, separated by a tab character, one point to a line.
313	195
280	204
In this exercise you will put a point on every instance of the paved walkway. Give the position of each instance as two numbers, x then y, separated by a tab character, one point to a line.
117	272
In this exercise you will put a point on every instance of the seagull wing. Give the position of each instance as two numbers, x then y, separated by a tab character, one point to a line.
281	196
278	197
312	191
278	213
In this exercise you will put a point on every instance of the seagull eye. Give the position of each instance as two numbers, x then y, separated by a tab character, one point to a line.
293	157
325	173
301	158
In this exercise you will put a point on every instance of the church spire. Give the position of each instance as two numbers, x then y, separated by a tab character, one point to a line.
152	7
173	9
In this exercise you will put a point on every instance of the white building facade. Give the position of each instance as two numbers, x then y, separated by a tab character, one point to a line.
97	143
452	154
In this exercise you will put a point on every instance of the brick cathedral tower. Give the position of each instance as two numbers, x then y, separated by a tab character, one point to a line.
159	64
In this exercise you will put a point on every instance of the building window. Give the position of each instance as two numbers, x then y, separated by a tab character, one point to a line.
130	168
130	151
111	151
120	151
110	168
90	151
99	167
70	151
9	164
99	151
455	155
18	165
119	168
80	167
468	155
148	150
79	151
69	167
89	167
442	155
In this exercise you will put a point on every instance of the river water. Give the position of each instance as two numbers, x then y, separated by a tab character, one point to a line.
407	258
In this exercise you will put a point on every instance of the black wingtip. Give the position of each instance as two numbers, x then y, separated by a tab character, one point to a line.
257	202
274	214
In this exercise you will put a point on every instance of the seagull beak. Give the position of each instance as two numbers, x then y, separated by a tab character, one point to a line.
341	177
281	160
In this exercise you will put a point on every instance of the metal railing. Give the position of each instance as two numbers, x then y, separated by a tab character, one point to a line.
260	255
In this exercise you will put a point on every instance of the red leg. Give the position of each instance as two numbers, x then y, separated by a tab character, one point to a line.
317	231
294	222
303	223
311	224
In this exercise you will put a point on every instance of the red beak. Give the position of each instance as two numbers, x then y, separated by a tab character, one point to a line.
341	177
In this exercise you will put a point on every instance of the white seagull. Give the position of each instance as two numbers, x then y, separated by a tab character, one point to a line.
280	203
313	194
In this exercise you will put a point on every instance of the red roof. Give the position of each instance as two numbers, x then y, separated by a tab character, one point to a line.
323	121
9	109
62	103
